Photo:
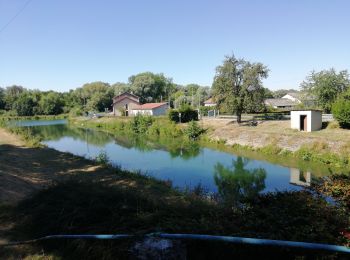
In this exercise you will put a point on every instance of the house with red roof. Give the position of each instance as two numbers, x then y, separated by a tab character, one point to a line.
128	104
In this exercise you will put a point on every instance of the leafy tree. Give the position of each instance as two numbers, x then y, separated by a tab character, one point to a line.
11	95
120	88
237	184
341	109
51	103
237	84
326	86
151	87
94	96
24	104
268	93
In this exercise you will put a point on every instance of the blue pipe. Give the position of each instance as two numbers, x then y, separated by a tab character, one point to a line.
235	240
256	241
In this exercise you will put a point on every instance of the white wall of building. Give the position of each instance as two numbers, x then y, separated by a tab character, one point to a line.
158	111
291	98
314	119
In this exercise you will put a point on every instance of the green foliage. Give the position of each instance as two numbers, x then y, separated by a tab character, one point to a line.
237	184
141	123
24	105
237	86
76	111
341	112
193	130
326	86
151	87
102	158
51	104
187	114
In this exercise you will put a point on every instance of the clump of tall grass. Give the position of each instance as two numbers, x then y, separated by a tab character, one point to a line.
102	158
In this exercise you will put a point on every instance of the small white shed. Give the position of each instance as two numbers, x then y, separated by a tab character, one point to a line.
306	120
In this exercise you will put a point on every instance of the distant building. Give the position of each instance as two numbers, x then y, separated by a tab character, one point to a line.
306	120
128	104
152	109
209	103
294	96
281	103
123	104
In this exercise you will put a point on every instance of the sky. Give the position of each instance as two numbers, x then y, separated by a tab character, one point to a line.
60	45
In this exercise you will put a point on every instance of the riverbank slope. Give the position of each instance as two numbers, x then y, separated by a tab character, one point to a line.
58	193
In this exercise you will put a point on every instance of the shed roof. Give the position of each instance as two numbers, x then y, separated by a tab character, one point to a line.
280	102
148	106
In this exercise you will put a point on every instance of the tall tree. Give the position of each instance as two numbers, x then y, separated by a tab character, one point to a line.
24	104
11	95
326	86
151	87
237	84
51	103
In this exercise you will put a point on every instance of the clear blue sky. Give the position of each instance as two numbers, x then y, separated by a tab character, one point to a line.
63	44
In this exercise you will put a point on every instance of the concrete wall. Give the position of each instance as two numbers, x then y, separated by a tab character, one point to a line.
159	111
314	119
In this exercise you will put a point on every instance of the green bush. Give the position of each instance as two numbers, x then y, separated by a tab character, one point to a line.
187	114
140	123
193	130
341	112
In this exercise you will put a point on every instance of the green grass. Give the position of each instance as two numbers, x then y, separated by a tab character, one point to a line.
88	207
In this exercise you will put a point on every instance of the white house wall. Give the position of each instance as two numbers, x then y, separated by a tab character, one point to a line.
147	112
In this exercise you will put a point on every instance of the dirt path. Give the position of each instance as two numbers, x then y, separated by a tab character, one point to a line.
24	170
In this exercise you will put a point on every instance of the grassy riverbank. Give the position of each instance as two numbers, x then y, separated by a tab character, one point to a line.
66	194
315	152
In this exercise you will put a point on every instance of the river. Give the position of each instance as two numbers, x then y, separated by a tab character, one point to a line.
185	167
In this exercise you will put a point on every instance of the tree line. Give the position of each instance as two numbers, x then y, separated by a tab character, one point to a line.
237	88
97	96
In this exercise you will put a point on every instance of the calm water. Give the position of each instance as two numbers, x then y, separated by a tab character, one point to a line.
184	165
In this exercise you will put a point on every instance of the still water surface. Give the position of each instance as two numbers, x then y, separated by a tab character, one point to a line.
185	167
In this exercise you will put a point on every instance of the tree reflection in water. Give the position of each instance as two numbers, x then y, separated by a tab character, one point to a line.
236	184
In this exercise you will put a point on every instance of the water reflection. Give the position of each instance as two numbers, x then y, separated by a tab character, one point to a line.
184	163
300	178
236	183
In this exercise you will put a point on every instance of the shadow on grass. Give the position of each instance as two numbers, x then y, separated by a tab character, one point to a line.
87	207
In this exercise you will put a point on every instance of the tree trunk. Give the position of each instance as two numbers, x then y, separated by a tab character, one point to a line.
239	117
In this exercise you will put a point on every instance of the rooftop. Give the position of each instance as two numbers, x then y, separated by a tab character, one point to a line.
280	102
149	106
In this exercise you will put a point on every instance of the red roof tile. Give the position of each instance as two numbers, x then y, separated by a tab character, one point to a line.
148	106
